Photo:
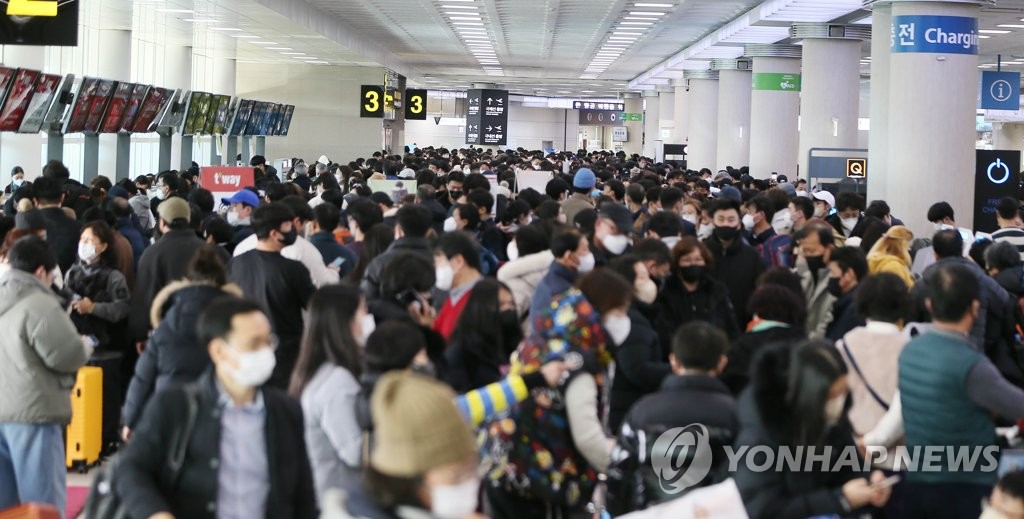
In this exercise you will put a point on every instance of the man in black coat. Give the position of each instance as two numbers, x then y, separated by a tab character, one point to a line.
245	453
165	261
847	266
692	395
737	264
62	231
412	223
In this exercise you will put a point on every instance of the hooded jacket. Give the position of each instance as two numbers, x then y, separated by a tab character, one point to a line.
522	277
40	352
140	205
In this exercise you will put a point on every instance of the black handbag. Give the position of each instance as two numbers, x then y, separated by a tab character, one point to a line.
103	501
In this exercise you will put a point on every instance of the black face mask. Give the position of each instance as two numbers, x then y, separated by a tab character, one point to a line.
508	319
692	273
289	237
455	195
815	263
726	233
834	288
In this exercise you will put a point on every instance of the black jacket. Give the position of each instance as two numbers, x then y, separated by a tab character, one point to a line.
466	370
766	420
371	278
62	234
163	262
683	400
745	349
639	368
438	213
143	477
174	354
738	266
709	303
844	317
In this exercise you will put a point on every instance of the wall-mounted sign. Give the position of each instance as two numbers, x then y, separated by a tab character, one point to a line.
1000	90
996	175
371	101
774	81
934	34
587	105
620	134
631	116
39	22
857	168
487	117
600	118
415	105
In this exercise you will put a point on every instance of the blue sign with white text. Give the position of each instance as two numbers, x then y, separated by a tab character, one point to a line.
1000	90
934	34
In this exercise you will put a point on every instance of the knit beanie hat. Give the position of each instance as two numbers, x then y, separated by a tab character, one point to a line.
416	426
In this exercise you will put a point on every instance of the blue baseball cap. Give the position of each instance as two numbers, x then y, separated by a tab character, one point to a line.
584	179
244	197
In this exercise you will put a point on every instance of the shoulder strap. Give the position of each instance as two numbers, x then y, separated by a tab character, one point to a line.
179	441
871	390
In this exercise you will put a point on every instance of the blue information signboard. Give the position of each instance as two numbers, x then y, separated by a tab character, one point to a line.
934	34
1000	90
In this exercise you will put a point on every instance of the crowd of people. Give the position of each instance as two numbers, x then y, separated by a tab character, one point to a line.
460	347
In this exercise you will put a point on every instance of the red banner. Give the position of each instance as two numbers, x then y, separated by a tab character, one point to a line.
225	179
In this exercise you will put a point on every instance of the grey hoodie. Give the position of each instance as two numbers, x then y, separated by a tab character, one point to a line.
40	352
140	205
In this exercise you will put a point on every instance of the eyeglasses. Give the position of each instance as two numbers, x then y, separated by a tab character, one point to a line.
272	342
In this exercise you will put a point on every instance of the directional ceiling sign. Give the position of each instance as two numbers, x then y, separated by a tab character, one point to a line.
1000	90
487	117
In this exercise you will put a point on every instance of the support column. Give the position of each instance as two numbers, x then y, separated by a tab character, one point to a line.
733	112
830	90
878	136
652	122
23	150
667	105
702	119
774	110
931	151
682	100
634	129
115	60
178	73
224	75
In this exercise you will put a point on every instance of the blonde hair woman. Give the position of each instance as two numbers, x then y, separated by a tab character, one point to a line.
891	254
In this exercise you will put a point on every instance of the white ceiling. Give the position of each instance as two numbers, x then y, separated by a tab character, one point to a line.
532	47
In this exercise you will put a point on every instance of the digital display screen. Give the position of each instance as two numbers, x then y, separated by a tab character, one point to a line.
289	111
276	114
133	108
218	115
257	119
39	104
242	115
116	109
154	103
80	111
195	119
17	100
98	104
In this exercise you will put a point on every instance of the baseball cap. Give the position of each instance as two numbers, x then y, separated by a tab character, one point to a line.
787	188
731	193
584	179
826	197
244	197
174	208
619	215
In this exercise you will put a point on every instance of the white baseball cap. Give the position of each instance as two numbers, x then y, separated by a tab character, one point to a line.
825	196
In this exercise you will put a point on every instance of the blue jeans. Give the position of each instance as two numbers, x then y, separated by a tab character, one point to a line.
32	465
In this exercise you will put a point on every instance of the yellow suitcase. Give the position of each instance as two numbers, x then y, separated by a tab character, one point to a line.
85	432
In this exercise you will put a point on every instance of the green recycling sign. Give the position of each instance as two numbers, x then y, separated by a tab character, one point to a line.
773	81
631	116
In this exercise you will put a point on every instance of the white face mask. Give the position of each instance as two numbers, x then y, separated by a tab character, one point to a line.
444	277
366	325
692	218
254	367
834	409
232	218
849	224
670	241
782	222
801	193
942	227
618	327
748	222
454	501
586	263
616	243
87	252
561	218
819	211
18	182
512	250
450	225
646	291
705	231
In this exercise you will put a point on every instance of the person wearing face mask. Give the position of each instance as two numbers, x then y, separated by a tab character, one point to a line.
691	294
736	263
799	398
413	222
639	359
457	270
245	450
242	204
43	352
757	223
280	285
362	214
325	221
524	274
98	294
612	232
672	200
814	245
941	215
847	267
572	257
487	333
691	212
17	181
583	183
301	249
326	382
848	216
665	226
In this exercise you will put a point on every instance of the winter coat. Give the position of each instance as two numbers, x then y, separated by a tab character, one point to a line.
640	368
893	264
819	300
107	289
522	277
678	306
738	267
745	349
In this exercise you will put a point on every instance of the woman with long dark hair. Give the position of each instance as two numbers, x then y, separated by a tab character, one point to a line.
691	294
798	400
376	240
486	335
326	381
